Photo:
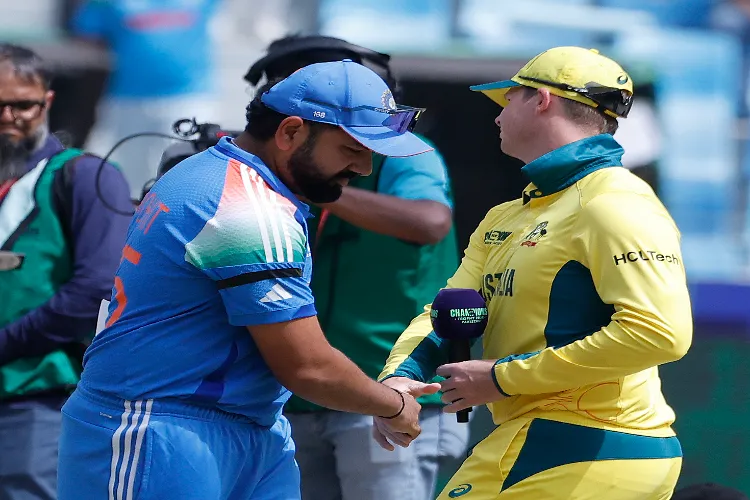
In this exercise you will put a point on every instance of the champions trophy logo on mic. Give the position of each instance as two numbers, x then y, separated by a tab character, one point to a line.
458	316
458	313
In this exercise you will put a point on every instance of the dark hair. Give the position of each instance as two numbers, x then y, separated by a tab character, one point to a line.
26	64
584	115
286	65
262	121
292	52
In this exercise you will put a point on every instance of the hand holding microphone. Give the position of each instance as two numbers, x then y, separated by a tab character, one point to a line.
459	315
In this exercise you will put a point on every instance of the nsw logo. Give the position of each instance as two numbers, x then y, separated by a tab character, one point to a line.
496	237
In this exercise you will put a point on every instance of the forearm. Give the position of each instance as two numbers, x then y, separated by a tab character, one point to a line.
620	349
337	383
419	221
417	353
68	317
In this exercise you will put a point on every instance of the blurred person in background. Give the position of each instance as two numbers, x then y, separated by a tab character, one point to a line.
381	252
587	296
59	250
213	321
163	70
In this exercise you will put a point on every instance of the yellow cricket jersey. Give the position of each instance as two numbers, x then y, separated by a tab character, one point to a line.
586	293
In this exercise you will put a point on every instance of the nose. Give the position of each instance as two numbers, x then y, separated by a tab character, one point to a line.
364	167
6	115
497	120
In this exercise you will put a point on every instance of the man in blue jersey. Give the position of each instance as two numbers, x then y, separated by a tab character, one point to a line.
212	318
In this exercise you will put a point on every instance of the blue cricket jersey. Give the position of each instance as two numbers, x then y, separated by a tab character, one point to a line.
219	243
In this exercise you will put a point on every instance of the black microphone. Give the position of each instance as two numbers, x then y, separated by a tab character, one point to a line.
459	315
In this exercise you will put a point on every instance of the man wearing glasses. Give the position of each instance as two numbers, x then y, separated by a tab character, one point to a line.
586	297
212	321
381	252
59	249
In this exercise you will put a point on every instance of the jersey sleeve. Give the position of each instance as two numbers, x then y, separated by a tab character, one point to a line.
419	351
632	249
256	252
419	177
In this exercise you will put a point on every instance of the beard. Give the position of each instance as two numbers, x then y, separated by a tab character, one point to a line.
14	154
307	179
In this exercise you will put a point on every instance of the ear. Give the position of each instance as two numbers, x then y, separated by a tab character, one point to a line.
543	100
290	132
49	97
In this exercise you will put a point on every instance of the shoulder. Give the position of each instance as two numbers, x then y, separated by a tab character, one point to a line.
615	200
498	212
88	173
495	217
613	181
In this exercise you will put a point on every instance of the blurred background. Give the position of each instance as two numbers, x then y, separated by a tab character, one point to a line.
687	135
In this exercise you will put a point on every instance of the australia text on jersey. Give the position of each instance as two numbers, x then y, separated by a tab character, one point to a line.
498	284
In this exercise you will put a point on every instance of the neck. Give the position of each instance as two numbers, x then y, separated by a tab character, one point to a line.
258	148
557	135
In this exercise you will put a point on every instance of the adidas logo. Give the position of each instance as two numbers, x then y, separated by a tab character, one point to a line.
276	293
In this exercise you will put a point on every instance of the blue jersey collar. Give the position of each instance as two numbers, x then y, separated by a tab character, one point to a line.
566	165
227	147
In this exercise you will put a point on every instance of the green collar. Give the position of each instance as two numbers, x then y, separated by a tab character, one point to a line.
565	166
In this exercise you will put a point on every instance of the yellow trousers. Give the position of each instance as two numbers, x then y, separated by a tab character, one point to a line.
543	459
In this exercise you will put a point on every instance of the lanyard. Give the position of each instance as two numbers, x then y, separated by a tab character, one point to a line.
5	188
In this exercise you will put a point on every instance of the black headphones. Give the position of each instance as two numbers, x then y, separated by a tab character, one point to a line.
317	48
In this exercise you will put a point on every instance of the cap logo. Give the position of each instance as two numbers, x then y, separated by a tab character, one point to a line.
387	100
622	79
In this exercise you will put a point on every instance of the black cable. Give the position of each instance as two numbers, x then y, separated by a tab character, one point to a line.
120	143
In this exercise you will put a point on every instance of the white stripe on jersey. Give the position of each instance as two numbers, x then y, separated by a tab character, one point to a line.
287	236
267	198
245	171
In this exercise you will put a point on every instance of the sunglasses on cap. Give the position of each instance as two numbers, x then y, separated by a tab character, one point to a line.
616	101
402	119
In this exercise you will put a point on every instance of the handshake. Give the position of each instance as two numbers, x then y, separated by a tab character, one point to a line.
466	384
402	429
457	316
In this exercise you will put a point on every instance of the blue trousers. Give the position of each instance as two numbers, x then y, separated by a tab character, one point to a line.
112	449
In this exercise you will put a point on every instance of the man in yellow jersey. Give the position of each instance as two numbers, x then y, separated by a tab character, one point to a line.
586	292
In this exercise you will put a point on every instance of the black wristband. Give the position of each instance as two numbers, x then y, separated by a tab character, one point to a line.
403	405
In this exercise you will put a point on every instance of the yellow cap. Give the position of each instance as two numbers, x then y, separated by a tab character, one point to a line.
574	73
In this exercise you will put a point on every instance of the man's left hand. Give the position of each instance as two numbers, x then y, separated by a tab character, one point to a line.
467	384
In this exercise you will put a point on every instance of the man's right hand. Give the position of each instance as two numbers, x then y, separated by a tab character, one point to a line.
403	429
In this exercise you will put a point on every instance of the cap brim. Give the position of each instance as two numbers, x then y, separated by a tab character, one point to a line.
387	142
496	90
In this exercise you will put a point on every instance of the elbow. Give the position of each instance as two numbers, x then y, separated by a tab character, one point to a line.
680	345
436	225
676	342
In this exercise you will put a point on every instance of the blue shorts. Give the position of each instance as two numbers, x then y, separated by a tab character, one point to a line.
111	449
